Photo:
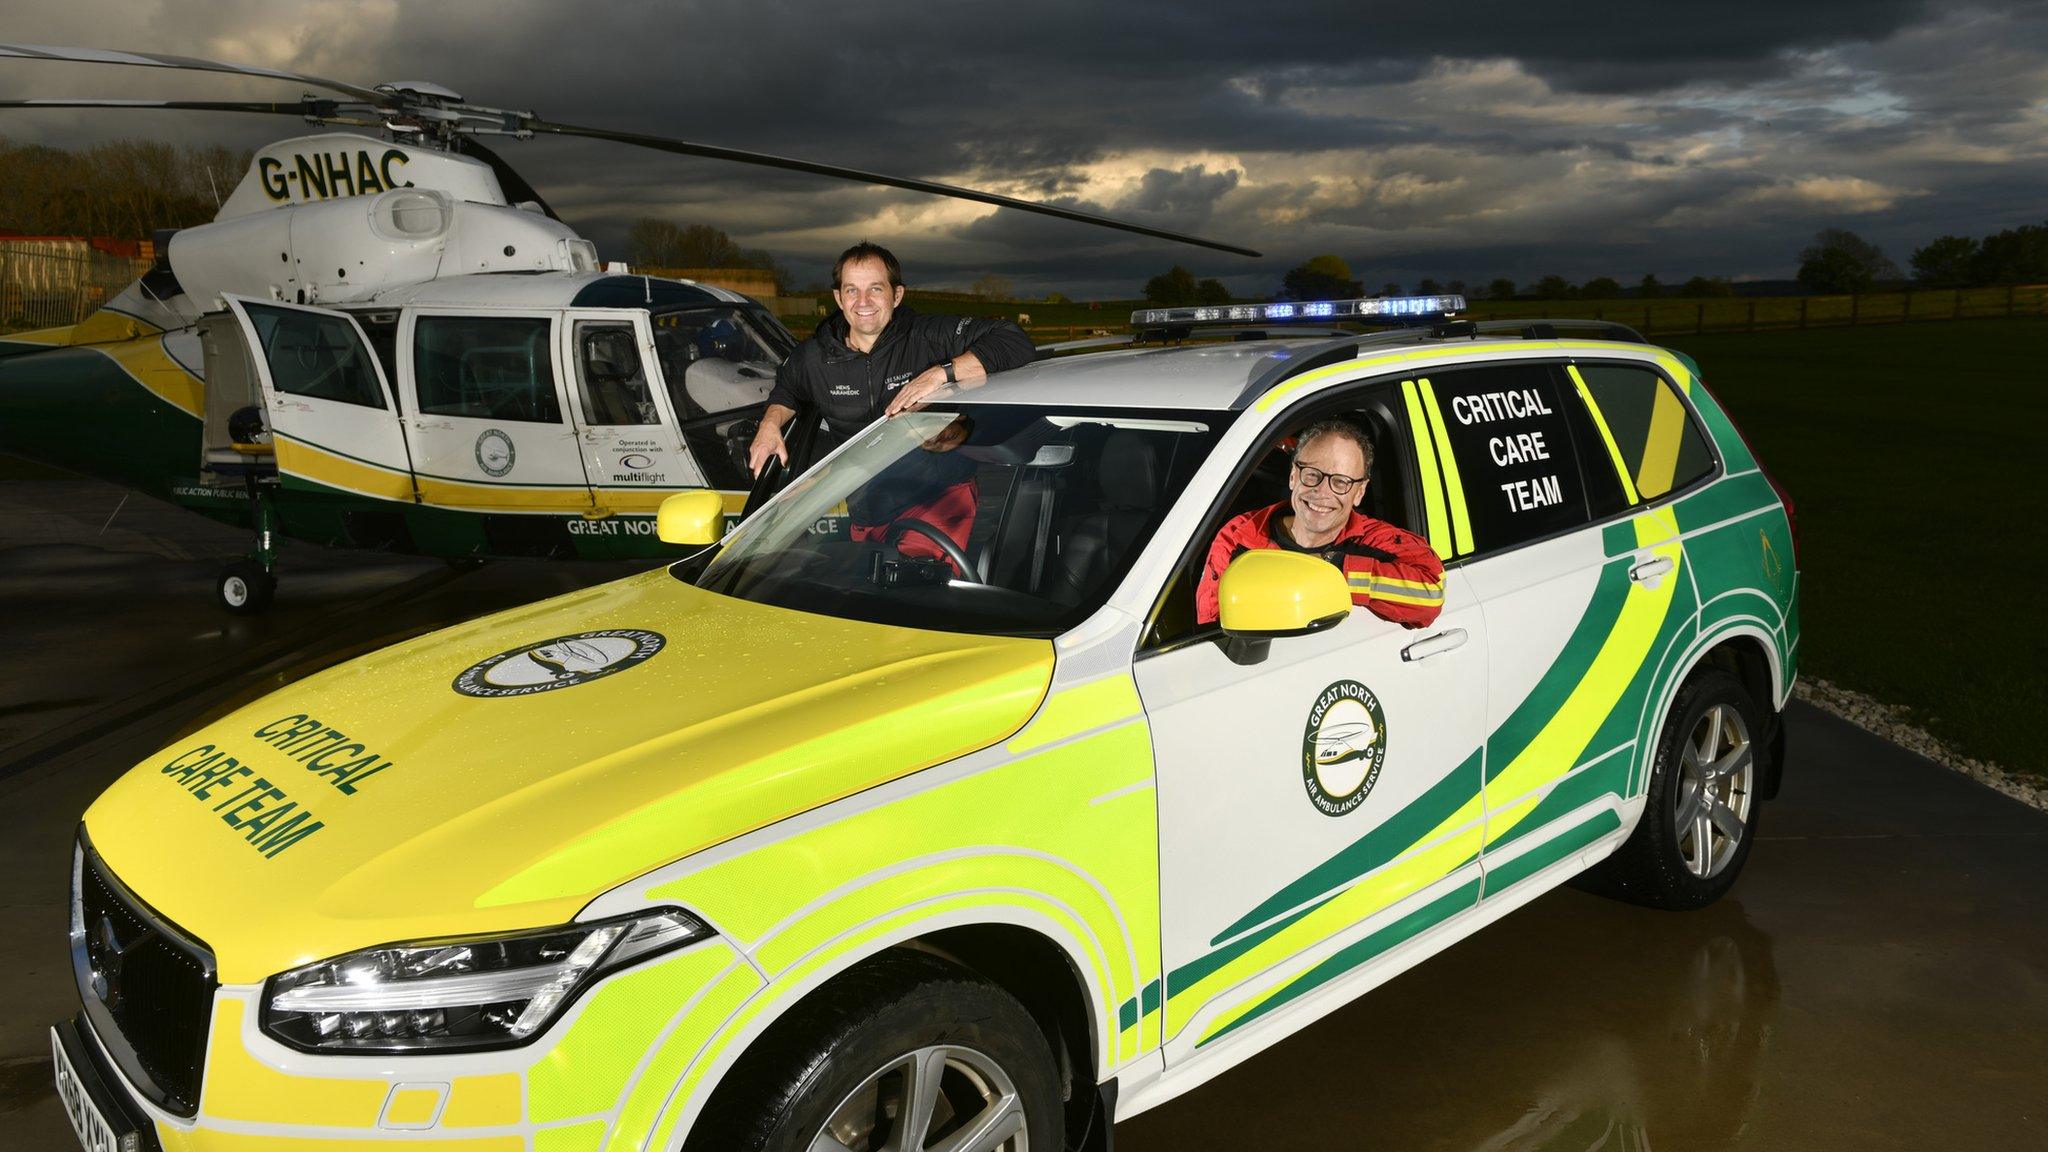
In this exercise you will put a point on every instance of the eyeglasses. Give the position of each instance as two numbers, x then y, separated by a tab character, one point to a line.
1313	477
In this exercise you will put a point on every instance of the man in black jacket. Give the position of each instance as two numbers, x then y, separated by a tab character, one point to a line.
877	358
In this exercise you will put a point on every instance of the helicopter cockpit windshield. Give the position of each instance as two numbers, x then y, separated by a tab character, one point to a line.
718	365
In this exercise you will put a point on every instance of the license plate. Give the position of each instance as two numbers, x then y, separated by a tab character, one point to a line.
94	1133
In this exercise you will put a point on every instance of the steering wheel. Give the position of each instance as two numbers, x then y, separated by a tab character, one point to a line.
944	542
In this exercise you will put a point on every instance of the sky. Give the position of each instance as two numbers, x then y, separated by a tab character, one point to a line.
1466	141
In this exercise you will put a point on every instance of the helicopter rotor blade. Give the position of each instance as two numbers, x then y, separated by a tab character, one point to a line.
446	115
712	151
320	109
183	63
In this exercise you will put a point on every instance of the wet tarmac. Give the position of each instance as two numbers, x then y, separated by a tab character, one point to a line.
1877	980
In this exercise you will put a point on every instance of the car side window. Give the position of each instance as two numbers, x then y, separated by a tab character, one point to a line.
485	367
1659	446
1510	431
1393	494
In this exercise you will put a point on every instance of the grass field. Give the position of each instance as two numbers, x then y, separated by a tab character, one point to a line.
1907	450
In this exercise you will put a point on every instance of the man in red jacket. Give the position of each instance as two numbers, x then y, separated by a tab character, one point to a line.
1392	572
932	486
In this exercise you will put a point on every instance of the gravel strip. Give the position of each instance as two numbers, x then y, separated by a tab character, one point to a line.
1889	721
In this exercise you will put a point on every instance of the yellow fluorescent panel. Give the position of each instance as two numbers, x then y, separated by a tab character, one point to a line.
483	1102
239	1087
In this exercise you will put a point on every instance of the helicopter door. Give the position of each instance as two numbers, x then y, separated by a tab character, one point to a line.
485	413
631	448
332	421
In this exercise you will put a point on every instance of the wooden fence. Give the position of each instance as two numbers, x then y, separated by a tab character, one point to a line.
1671	317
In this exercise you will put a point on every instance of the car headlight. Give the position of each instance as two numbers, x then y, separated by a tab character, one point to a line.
480	992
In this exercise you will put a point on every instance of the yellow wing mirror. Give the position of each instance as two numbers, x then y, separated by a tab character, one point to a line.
693	517
1268	593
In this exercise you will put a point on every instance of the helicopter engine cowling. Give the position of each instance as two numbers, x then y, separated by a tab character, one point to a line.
345	250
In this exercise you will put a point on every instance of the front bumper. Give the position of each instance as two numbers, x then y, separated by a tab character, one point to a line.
617	1066
96	1080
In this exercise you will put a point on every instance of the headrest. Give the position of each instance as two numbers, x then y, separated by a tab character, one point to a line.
1130	470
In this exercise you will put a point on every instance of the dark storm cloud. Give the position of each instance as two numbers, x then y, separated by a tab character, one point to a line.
1495	138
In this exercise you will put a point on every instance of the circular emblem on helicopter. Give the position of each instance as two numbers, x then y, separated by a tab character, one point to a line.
1342	747
562	662
494	452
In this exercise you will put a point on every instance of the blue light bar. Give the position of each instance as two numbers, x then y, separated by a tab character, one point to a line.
1370	308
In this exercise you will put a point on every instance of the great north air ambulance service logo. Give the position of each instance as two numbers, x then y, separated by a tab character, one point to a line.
1343	747
563	662
494	452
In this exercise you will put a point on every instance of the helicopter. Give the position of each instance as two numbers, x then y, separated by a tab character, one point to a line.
387	339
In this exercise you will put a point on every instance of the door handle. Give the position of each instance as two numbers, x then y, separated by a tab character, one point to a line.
1648	571
1435	645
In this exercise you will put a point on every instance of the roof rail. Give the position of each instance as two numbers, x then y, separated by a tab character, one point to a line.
1355	344
1174	335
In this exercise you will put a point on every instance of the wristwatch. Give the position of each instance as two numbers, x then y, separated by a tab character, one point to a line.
950	378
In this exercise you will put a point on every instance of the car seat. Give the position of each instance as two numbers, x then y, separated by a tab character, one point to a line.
1130	475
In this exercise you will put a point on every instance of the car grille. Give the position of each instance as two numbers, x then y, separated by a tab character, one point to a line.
147	986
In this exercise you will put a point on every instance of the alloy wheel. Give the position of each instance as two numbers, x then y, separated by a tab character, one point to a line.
942	1098
1717	771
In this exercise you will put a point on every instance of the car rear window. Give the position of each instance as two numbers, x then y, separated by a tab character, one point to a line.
1661	448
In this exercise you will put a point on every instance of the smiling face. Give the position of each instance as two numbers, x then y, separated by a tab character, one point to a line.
867	298
1319	511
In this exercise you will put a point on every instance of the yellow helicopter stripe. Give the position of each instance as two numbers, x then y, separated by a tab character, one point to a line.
52	337
325	467
634	501
137	347
154	368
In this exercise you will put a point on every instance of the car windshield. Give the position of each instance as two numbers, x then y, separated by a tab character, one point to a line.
988	518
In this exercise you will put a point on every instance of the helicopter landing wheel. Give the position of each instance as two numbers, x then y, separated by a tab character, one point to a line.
244	588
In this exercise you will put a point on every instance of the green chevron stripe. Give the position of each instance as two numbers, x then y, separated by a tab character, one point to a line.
1535	860
1357	953
1137	1007
1574	791
1191	973
1725	500
1541	705
1390	840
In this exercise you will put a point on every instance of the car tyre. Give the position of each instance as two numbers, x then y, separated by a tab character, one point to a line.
904	1051
244	588
1704	800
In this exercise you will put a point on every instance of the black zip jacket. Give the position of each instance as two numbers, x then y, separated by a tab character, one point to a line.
851	389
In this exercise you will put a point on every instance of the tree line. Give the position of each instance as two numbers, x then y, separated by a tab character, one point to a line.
656	243
2014	256
1328	277
1840	261
1837	262
123	188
